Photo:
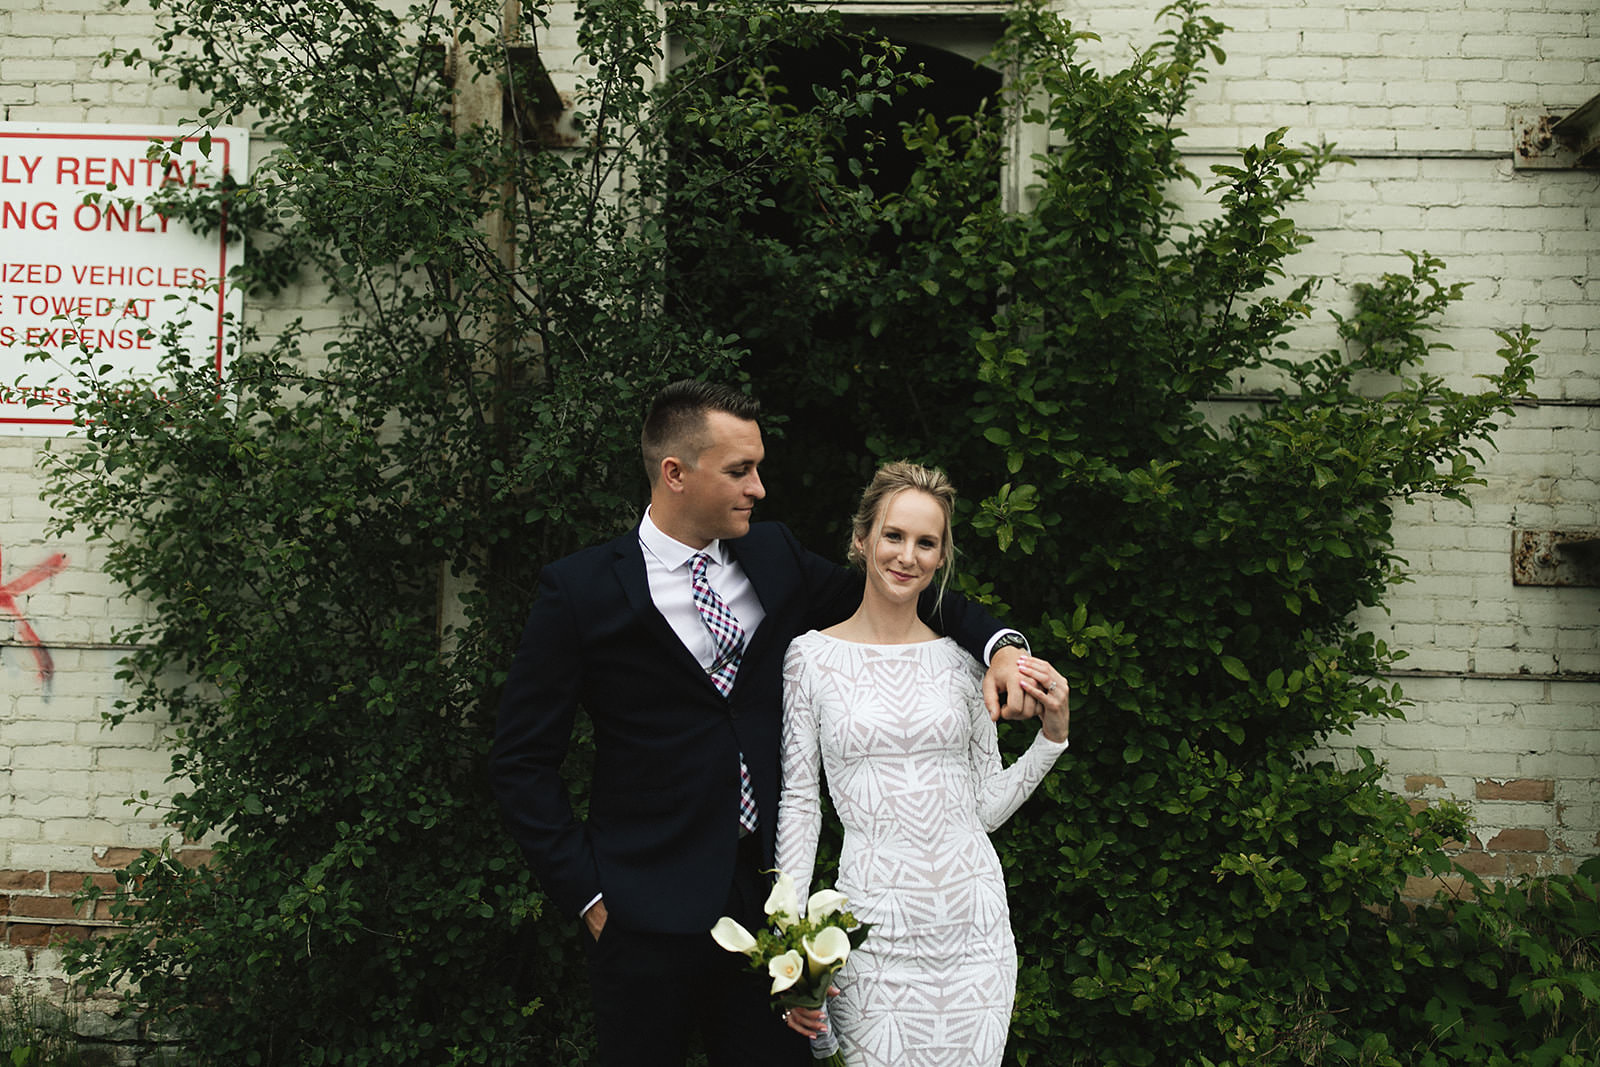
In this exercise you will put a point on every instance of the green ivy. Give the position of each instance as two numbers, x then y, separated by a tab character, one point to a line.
1508	974
338	546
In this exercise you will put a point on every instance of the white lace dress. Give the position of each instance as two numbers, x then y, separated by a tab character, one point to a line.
916	779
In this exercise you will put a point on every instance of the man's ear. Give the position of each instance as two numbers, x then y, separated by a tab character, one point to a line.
672	471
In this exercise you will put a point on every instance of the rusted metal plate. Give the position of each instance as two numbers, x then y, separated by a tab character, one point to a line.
1534	147
1542	141
1555	557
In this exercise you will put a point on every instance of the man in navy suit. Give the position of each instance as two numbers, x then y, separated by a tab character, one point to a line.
687	724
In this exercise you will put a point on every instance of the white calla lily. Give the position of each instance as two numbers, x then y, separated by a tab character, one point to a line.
733	937
783	904
785	970
825	902
827	950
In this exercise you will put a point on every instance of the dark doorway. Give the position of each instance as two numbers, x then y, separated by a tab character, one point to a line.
955	86
796	282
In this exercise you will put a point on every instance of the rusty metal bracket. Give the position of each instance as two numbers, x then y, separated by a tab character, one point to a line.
1555	557
1542	141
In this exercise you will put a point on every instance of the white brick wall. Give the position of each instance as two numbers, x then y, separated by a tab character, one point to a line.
1420	91
1421	94
1387	74
1479	741
68	777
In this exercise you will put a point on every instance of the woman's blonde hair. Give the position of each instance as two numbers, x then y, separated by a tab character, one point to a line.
891	480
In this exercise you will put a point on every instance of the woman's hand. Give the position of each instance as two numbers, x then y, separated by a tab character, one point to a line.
1003	692
809	1022
1045	685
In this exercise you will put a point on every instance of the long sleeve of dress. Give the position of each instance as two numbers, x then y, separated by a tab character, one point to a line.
800	803
916	778
1000	790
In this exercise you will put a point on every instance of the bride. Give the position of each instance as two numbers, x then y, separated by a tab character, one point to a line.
894	716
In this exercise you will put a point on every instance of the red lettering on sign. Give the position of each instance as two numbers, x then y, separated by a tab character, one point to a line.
18	215
90	217
21	174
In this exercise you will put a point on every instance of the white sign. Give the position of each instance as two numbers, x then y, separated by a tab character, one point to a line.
104	274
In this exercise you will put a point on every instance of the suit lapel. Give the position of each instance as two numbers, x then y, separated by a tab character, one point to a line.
630	572
746	551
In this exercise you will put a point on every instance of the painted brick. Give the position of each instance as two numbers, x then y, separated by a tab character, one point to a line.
148	761
1424	736
52	756
10	881
1501	45
1541	790
1461	70
1550	72
25	907
31	62
35	936
50	808
1523	865
1484	864
39	733
83	830
1436	659
1310	18
128	733
115	857
53	27
66	883
1519	841
1573	47
1423	889
1410	43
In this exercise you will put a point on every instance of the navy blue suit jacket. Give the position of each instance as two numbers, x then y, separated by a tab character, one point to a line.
661	832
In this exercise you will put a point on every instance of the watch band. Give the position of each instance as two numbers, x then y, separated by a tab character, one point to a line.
1010	640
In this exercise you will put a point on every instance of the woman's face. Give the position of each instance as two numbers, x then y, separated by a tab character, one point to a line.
907	546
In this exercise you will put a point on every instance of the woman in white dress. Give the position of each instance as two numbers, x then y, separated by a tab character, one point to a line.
894	715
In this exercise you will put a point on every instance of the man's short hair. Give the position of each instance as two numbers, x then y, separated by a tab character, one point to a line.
676	424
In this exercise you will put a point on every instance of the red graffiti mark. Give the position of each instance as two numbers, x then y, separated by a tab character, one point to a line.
8	604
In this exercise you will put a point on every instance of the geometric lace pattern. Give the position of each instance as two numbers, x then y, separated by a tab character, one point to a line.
901	739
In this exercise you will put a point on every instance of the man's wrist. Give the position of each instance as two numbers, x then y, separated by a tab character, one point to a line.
594	917
1005	639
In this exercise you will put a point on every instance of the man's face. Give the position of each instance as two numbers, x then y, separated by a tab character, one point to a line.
720	491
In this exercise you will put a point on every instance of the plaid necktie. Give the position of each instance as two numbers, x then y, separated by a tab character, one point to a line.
727	639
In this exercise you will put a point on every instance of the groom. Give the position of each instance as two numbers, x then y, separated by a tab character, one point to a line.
672	639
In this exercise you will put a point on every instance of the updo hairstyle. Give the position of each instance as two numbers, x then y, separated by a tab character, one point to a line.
890	481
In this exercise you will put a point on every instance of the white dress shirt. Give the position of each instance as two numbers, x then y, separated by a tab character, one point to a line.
666	565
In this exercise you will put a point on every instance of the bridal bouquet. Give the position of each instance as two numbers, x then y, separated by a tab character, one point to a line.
801	953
